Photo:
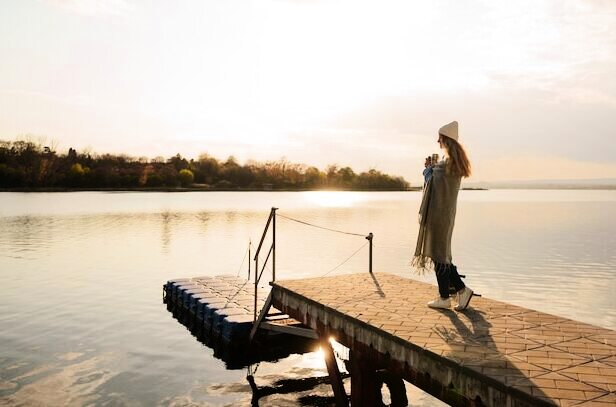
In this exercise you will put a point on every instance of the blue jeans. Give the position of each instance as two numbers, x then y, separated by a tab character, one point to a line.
446	275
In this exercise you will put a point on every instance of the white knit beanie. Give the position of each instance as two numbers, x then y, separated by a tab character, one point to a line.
450	130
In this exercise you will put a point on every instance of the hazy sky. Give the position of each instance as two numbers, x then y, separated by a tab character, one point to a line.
359	83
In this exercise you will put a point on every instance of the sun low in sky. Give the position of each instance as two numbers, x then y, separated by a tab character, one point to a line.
359	83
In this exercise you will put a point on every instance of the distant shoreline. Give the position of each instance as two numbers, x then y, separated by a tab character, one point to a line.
410	189
28	166
550	187
198	189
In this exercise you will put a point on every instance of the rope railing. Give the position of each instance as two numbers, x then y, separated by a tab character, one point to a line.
368	237
247	254
320	227
271	220
347	259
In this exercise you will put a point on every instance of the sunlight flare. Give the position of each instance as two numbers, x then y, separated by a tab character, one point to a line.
335	199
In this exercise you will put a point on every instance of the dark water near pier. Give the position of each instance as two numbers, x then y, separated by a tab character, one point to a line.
81	317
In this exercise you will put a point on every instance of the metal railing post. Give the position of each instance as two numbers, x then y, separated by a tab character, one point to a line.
256	272
270	219
369	238
274	244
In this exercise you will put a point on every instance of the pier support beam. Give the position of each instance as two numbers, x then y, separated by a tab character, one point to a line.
364	392
334	374
397	390
369	374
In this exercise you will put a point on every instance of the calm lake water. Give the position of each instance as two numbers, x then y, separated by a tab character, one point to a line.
81	314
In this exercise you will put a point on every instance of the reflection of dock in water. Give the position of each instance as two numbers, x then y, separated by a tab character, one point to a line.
219	312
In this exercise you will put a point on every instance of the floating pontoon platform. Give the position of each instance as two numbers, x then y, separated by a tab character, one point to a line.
220	310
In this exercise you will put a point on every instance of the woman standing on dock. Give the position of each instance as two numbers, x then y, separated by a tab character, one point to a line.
437	215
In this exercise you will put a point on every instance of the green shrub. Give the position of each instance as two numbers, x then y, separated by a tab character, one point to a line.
186	177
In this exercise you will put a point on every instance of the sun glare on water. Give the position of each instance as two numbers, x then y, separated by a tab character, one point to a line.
334	199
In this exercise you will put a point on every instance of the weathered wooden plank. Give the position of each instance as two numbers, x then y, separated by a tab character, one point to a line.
261	316
291	330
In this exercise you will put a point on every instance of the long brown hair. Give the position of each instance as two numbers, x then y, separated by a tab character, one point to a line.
458	163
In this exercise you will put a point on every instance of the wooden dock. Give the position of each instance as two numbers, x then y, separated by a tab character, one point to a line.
493	354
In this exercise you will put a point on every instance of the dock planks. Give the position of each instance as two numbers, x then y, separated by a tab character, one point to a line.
493	353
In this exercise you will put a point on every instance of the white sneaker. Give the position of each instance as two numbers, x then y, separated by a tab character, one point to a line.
439	302
464	297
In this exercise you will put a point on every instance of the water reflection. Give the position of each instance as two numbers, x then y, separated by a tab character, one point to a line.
166	232
66	379
82	277
334	199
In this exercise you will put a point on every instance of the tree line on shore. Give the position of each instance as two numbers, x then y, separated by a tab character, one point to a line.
30	165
